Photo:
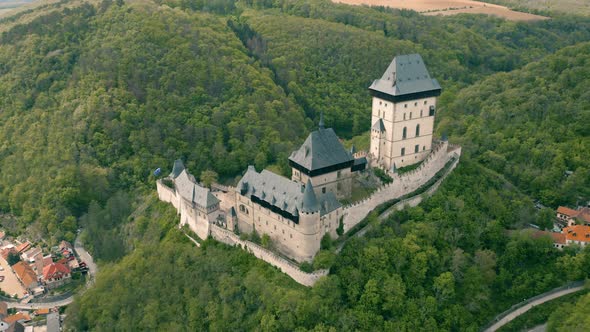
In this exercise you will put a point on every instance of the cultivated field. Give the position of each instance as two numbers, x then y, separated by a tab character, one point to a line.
449	7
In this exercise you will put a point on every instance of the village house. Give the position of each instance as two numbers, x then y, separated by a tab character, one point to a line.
577	234
56	274
29	255
26	275
572	217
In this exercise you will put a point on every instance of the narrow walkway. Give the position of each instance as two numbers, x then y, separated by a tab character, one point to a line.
521	310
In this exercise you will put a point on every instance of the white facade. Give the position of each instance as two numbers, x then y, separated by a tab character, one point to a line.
407	131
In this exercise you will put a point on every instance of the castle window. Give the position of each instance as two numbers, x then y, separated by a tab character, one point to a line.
424	148
404	116
338	174
405	105
431	111
425	102
275	227
385	104
291	235
323	190
379	102
416	148
421	113
404	133
417	130
403	152
416	104
410	115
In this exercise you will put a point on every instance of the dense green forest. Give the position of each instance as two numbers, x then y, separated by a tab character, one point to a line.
94	97
571	317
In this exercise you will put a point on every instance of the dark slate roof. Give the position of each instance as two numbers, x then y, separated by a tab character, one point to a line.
378	125
321	149
177	168
284	194
188	188
406	74
310	202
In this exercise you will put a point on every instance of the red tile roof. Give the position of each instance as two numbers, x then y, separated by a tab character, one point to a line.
16	317
25	273
23	246
55	270
577	233
567	211
583	213
6	251
558	237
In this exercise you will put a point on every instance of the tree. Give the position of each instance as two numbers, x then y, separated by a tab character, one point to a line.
545	218
266	241
13	258
208	177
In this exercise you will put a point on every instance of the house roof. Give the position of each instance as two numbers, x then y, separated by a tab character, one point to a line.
581	213
6	251
558	237
321	149
65	244
23	246
55	268
17	317
25	273
43	311
31	253
47	260
284	194
577	233
406	75
567	211
188	188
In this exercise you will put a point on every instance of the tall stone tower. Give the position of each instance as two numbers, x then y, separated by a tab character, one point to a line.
404	106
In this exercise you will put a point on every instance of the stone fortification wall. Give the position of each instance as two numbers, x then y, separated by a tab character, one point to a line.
291	269
401	185
168	195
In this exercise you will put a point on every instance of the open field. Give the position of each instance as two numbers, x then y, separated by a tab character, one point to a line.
449	7
579	7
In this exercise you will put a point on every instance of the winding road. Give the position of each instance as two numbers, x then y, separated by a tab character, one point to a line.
521	310
92	269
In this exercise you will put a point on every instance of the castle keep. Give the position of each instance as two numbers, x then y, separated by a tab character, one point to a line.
404	105
297	213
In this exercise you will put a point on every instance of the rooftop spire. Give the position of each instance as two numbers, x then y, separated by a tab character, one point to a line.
322	120
310	203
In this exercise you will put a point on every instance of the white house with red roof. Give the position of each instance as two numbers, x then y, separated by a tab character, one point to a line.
56	274
570	216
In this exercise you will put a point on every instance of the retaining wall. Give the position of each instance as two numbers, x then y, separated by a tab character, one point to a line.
291	269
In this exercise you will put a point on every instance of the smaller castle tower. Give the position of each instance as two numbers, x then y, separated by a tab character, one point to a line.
309	219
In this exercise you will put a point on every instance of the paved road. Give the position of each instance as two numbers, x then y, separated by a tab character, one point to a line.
519	311
92	269
540	328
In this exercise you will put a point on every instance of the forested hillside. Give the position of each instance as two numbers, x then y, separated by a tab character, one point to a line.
94	97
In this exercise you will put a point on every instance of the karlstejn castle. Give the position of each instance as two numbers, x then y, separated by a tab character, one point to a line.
297	213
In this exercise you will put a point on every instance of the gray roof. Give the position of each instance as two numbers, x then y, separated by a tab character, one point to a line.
188	188
321	149
406	74
378	125
310	202
177	168
285	194
53	324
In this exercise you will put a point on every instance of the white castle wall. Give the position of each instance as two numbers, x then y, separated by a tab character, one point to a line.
291	269
401	185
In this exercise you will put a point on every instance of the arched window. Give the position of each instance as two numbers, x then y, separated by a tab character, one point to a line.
417	130
404	133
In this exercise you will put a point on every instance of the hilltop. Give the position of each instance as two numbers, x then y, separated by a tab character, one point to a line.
95	97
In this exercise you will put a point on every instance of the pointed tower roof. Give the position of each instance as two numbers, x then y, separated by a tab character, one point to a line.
310	202
406	78
176	169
